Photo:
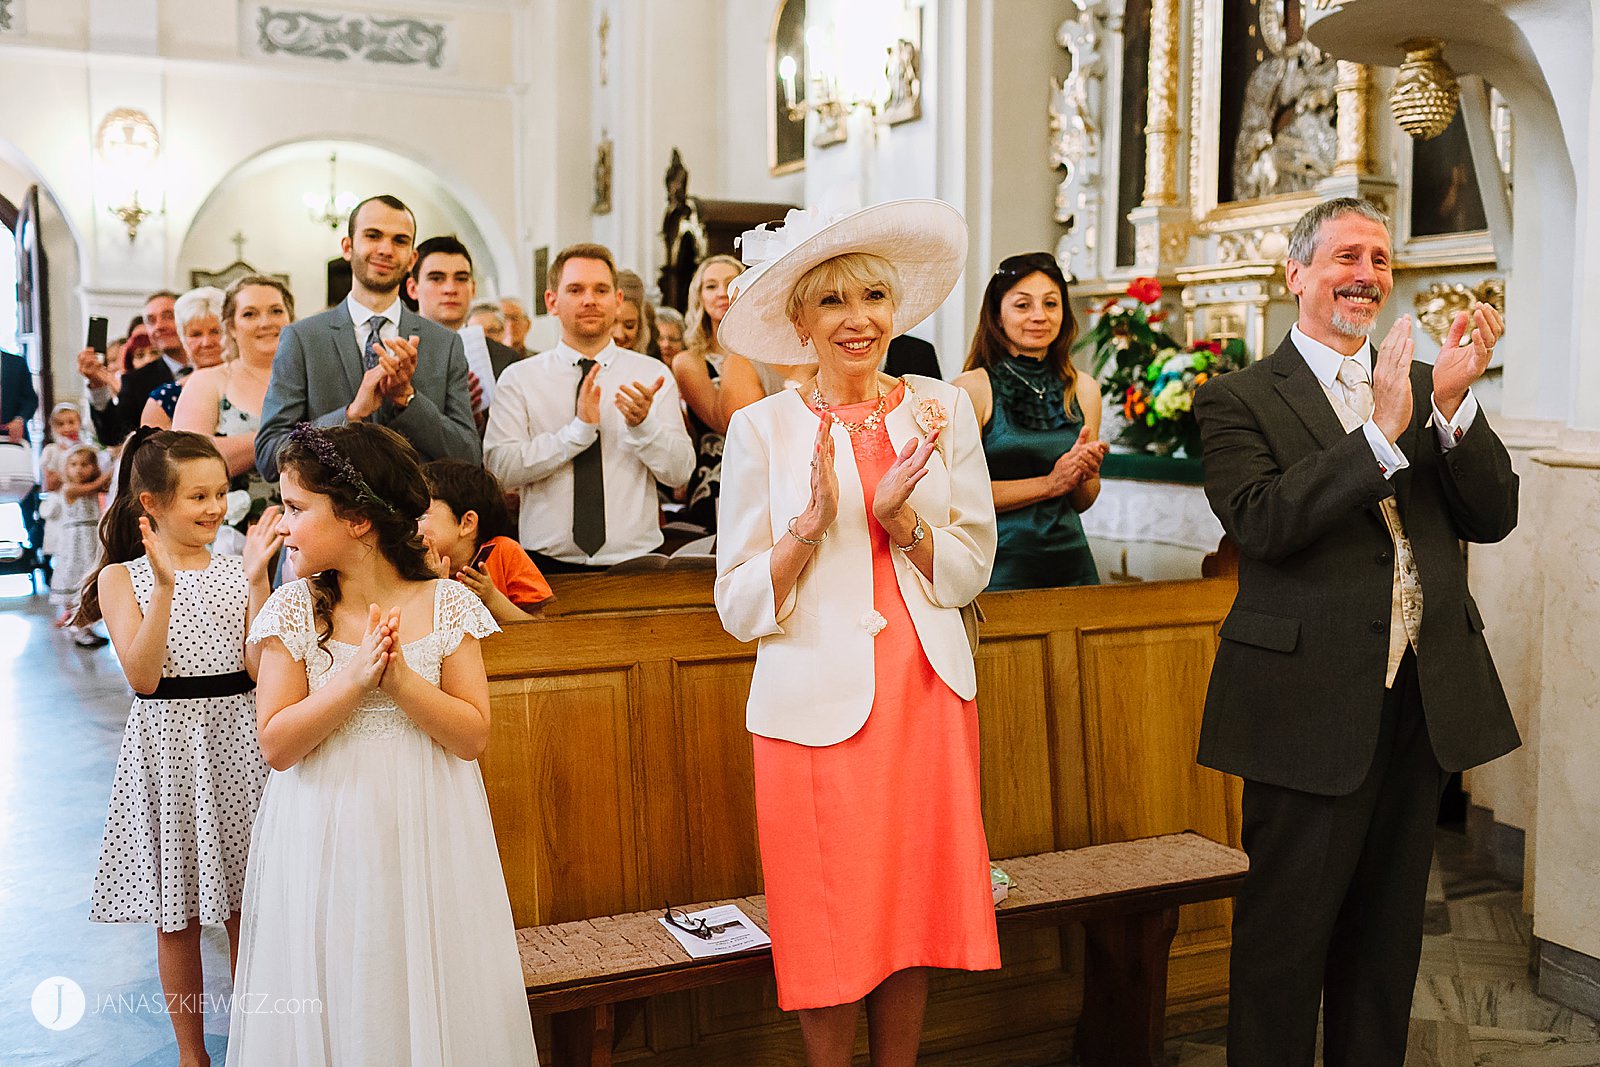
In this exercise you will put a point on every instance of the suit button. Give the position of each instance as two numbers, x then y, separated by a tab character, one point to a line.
1378	626
1382	557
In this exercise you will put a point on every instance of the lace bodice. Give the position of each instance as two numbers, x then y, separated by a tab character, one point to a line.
287	615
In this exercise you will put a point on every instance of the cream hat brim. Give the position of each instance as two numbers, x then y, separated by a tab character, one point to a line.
926	240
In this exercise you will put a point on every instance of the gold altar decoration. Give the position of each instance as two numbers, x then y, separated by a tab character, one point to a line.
1425	92
1161	133
1439	303
1354	119
1288	137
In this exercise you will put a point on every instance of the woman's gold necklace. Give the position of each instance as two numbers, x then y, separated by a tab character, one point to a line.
871	422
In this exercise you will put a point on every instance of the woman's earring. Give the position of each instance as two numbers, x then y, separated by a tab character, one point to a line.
805	342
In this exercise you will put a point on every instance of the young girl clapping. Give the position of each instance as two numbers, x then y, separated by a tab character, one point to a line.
189	774
377	928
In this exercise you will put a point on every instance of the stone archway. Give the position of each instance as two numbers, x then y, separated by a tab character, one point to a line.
258	212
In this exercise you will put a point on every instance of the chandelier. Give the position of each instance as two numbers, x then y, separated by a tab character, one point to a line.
334	206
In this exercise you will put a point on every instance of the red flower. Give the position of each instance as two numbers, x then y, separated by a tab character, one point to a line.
1158	317
1145	290
1214	347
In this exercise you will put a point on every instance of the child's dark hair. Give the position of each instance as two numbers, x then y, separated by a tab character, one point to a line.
368	472
465	487
150	461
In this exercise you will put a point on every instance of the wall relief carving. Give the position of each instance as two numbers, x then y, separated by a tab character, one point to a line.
1287	134
1438	304
381	40
8	15
1077	138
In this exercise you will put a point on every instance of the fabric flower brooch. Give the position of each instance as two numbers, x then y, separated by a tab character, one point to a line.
873	622
931	415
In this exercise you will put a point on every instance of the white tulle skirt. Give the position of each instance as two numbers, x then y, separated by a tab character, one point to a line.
376	926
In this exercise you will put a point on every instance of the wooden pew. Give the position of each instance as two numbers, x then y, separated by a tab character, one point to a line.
619	777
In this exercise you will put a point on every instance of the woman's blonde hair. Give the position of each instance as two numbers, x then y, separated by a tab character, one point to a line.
230	306
698	336
852	270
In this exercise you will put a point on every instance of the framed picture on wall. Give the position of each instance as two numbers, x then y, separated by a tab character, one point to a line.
541	276
786	85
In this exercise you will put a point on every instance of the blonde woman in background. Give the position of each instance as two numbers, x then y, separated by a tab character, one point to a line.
698	370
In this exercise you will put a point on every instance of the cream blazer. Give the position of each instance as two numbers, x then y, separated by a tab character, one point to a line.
813	681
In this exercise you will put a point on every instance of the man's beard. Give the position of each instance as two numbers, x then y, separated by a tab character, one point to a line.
1349	327
364	276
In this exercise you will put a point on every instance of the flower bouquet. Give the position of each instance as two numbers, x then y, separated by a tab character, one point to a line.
1148	377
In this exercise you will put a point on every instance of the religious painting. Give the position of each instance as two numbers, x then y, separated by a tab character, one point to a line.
786	89
1445	197
541	278
1277	128
1134	118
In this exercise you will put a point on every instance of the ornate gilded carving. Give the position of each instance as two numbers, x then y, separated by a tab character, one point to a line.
1266	244
1287	140
1355	119
6	16
1161	134
1076	111
369	38
1438	304
1425	93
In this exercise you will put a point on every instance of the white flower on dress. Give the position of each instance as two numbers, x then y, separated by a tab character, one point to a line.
873	622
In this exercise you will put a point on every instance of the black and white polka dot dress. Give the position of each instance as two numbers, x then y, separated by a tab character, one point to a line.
190	773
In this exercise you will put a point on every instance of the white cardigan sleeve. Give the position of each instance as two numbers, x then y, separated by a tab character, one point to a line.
963	551
744	536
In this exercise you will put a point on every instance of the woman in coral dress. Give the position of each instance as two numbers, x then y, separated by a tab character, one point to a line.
856	522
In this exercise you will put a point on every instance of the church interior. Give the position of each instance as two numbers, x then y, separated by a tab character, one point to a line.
1160	150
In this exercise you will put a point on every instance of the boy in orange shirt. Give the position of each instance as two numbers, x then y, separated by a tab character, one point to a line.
468	528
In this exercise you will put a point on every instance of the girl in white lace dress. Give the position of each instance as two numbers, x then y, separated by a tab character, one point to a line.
377	929
189	774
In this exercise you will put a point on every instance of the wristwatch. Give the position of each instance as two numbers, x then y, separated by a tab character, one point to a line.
917	534
405	401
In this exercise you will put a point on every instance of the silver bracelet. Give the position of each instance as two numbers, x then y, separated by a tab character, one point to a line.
917	534
806	540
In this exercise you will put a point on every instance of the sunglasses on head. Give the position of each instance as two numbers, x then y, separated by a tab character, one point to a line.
1028	263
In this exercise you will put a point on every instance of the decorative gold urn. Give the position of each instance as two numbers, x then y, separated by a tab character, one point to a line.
1425	92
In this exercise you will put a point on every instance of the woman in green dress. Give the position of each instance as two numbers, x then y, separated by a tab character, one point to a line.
1041	425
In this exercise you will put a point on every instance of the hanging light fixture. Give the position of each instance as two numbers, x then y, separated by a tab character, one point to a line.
332	208
128	146
1426	93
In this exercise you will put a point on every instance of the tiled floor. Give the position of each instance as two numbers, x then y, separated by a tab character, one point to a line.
61	717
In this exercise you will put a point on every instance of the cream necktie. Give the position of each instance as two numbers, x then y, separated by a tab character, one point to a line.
1355	396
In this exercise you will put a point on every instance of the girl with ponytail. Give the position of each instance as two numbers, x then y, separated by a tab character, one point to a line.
189	774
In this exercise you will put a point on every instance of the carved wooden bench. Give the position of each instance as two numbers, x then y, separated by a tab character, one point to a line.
1125	894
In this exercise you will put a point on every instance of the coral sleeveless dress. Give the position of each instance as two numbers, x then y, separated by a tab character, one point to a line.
873	849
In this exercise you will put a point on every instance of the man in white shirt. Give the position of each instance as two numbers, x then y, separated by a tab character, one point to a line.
116	407
585	431
371	359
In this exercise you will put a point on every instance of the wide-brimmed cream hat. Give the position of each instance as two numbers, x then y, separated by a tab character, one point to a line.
926	240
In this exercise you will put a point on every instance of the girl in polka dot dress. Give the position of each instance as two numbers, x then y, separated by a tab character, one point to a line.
377	930
189	775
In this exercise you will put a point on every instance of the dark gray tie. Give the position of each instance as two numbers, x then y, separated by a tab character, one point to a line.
374	349
588	488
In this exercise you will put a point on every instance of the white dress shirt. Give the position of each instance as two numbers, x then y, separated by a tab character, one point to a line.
359	316
534	433
1325	362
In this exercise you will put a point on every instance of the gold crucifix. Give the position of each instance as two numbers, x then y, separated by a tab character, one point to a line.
605	32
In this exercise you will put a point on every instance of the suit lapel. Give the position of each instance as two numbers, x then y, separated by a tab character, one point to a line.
1303	393
344	344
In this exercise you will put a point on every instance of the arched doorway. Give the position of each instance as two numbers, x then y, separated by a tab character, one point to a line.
8	276
260	212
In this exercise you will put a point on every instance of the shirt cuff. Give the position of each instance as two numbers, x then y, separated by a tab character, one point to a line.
1390	460
1451	431
581	434
99	397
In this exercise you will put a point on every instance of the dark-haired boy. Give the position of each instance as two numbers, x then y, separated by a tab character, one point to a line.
468	527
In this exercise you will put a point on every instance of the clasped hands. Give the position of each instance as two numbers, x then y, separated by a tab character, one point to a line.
889	502
1461	362
1078	464
390	380
377	663
633	399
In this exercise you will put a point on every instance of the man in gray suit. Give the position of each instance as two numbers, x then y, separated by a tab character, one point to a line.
369	358
1352	674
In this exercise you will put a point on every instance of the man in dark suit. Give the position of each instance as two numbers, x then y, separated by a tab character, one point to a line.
116	407
368	358
911	355
443	286
1352	675
18	400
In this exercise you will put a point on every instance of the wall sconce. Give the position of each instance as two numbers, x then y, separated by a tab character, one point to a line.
332	208
1426	93
874	68
128	145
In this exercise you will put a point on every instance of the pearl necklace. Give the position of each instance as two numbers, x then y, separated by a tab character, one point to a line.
871	422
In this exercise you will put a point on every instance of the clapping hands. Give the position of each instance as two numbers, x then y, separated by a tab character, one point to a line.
1078	464
261	544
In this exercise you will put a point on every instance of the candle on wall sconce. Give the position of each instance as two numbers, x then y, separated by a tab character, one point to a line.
786	72
128	146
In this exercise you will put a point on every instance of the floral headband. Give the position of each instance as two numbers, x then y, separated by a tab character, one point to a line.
316	442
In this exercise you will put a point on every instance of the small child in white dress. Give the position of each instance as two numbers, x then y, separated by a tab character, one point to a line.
189	773
377	929
73	517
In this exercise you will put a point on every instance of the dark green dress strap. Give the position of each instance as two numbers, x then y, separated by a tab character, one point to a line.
1042	545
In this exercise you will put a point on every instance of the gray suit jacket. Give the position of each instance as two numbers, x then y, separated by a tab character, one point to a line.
1298	684
317	371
